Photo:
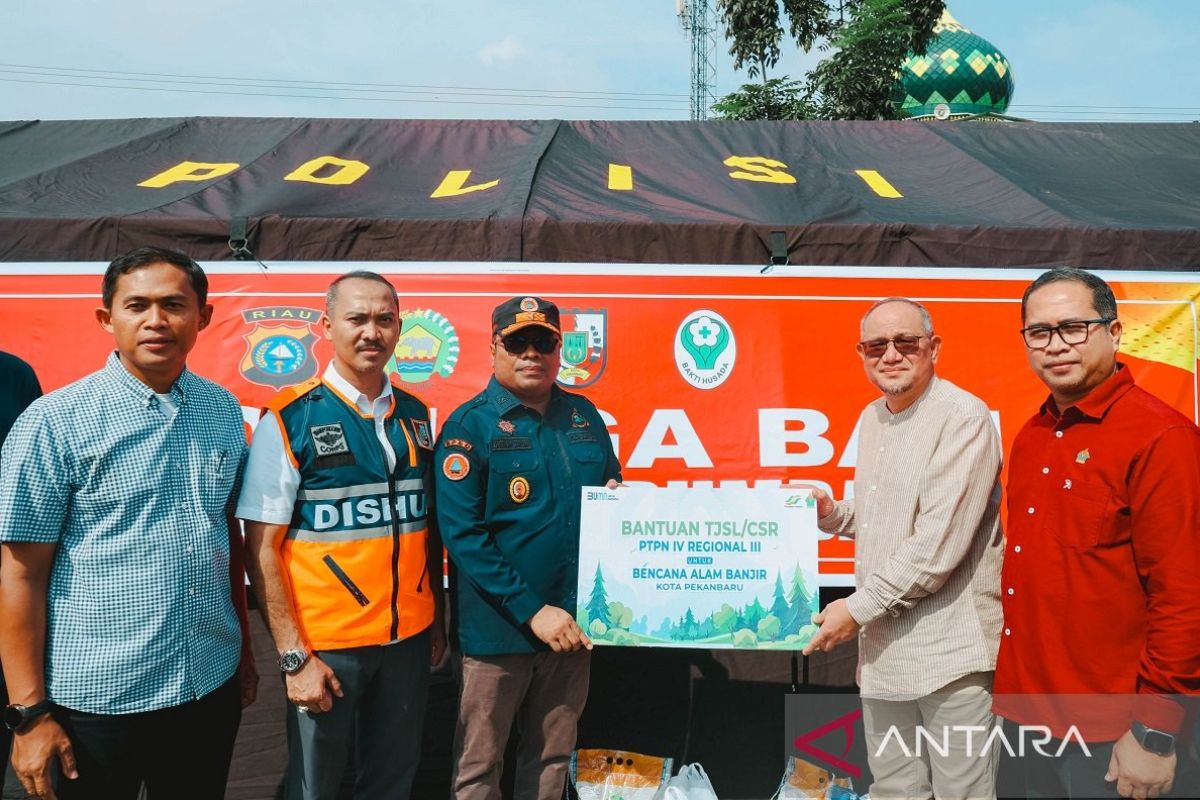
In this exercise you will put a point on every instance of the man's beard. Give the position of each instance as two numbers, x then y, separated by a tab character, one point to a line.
900	388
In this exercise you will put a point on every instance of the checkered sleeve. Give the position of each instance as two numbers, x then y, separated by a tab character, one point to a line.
34	480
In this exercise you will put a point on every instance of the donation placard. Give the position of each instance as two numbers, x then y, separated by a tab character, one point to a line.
706	567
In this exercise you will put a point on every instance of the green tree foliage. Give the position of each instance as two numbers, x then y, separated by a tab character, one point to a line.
868	40
769	627
725	618
619	615
754	614
597	606
779	605
802	604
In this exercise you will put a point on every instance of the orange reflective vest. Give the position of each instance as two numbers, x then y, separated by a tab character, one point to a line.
355	550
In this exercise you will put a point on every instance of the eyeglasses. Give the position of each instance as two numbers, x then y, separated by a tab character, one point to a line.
905	346
517	343
1075	332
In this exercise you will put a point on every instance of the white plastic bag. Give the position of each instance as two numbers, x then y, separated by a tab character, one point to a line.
690	784
618	775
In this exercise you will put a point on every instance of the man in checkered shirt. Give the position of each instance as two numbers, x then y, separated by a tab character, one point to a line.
120	585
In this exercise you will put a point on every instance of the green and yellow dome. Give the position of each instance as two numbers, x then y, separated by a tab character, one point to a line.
960	74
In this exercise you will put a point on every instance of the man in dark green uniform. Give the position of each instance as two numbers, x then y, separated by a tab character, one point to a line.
510	466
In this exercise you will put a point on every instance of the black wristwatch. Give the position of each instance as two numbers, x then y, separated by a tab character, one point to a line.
17	716
1158	742
291	661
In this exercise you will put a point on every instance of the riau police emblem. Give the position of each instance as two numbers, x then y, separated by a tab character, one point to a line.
584	346
518	489
279	348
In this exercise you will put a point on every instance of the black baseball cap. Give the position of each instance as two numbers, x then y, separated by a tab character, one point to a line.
521	312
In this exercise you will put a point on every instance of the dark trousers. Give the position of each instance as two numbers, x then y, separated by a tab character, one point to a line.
1075	775
381	715
180	753
544	695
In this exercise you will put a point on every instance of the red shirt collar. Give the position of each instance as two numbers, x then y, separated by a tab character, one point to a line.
1097	402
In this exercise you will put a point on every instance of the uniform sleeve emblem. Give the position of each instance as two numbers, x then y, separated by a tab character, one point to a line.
421	429
456	466
518	489
329	439
578	420
461	444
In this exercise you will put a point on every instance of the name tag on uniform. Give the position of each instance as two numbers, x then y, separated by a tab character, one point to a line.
511	443
581	436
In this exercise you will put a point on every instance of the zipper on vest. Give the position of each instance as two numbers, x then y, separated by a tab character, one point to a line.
346	581
395	517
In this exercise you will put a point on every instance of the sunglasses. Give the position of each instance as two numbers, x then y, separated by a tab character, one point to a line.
517	343
905	346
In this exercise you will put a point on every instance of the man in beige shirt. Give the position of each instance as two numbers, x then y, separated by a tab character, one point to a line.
926	606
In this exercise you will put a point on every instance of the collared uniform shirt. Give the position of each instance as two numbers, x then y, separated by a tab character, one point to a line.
347	576
1102	570
508	484
139	608
926	522
272	480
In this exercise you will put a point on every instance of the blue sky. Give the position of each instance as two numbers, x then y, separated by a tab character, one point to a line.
1128	60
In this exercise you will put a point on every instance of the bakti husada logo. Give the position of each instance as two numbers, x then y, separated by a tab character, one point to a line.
428	346
584	346
279	348
705	350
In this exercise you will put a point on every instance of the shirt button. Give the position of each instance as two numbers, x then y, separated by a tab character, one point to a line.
1031	509
1008	631
872	487
1016	548
1010	591
1058	434
1045	470
190	549
881	449
192	591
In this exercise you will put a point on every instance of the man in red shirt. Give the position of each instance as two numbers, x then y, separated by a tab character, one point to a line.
1101	632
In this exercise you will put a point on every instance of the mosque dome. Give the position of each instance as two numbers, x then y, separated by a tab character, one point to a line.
960	74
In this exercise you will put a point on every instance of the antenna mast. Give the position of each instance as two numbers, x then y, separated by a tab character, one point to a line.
696	17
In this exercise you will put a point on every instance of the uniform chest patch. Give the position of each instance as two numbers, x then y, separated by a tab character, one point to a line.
506	425
1082	456
330	440
518	489
421	431
577	419
511	443
456	466
581	436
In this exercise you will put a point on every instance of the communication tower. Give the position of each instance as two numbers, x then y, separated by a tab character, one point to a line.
696	17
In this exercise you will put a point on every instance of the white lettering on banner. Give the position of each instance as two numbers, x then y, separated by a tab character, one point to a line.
774	437
652	446
1036	735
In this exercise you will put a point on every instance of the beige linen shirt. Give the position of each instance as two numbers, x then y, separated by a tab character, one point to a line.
926	520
